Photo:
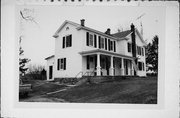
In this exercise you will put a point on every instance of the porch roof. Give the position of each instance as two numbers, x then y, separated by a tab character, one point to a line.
104	52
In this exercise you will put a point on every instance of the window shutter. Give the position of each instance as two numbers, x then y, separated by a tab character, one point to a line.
64	63
114	46
58	64
70	40
87	38
63	44
87	62
105	43
99	42
95	43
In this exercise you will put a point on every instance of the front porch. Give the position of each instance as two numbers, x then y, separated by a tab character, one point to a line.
105	64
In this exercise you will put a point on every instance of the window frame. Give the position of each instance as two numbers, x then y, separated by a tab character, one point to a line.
61	64
142	68
129	47
91	40
111	46
67	41
102	42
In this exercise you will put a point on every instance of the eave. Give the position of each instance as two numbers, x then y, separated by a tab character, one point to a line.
104	52
97	32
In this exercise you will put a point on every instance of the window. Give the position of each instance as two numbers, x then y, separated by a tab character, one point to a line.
141	66
139	50
102	43
67	28
67	41
111	45
61	64
129	47
142	51
90	39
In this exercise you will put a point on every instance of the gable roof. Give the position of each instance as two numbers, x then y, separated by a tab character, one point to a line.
116	36
64	23
141	38
79	27
122	34
52	56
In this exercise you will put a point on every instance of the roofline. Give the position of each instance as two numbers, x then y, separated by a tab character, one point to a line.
52	56
79	27
98	32
126	37
64	23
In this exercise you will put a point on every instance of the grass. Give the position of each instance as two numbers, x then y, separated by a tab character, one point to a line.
40	87
141	91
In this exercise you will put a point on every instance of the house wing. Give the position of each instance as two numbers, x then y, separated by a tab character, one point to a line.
122	34
61	27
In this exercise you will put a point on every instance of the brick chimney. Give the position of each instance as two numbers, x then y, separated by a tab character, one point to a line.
133	37
82	22
108	31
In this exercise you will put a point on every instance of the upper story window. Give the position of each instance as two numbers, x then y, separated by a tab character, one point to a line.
67	28
111	45
101	42
129	47
90	39
67	41
61	64
140	50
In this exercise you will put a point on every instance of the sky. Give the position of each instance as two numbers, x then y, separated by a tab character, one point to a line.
38	42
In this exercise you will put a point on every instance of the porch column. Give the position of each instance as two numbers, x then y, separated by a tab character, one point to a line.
122	66
111	67
132	69
98	68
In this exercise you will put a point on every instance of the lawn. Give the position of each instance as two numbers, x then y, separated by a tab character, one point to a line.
40	88
140	91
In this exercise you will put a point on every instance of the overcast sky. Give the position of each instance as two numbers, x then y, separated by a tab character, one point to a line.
38	42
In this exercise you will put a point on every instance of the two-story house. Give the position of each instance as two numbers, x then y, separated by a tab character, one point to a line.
80	50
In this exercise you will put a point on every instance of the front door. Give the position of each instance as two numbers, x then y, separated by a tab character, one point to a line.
50	72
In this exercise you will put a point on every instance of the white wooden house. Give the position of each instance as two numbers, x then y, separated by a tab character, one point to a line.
80	50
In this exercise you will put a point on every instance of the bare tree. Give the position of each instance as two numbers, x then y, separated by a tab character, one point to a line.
36	71
22	61
28	15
